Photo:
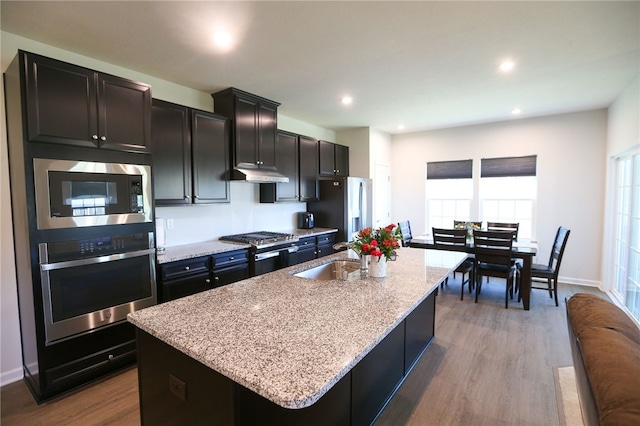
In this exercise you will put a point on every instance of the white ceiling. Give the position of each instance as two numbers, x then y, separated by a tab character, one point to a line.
424	64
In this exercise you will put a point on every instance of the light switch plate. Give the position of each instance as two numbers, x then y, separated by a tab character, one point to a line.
178	387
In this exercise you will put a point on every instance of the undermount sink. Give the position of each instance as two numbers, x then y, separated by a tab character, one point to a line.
336	270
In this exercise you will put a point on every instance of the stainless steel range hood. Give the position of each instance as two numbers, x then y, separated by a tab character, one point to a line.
258	175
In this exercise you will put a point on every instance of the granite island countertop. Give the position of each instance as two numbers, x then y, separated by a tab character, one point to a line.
205	248
291	339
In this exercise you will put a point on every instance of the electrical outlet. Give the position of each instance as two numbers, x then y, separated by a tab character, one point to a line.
169	223
178	387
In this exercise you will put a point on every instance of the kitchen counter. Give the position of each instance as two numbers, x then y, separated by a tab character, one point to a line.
291	339
189	251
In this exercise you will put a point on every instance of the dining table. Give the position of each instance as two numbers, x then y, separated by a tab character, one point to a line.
522	249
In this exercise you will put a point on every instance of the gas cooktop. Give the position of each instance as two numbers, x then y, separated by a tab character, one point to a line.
261	239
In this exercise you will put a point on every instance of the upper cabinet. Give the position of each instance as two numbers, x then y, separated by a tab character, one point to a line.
190	155
308	158
287	164
73	105
334	159
253	130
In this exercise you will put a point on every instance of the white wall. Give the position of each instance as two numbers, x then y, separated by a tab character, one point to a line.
571	175
191	224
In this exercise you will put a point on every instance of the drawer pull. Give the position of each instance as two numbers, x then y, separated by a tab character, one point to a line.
186	268
207	280
232	258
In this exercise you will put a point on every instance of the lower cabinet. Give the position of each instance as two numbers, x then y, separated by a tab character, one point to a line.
186	277
314	247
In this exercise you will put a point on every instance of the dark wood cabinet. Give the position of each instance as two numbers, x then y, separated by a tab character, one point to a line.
171	149
334	159
253	130
190	155
314	247
324	244
69	104
287	164
210	157
230	267
190	276
308	155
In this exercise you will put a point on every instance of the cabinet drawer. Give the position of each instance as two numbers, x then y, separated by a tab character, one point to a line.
229	258
185	267
326	239
306	242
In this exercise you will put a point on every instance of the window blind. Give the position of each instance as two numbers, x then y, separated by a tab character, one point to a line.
460	169
508	166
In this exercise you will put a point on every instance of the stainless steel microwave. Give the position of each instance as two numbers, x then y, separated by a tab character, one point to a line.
72	194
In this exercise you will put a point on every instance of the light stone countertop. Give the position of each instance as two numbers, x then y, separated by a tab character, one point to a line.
291	339
189	251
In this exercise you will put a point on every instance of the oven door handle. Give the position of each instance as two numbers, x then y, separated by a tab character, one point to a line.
275	253
93	260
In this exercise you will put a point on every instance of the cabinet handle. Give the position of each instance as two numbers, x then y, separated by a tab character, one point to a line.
186	197
103	138
94	137
196	197
186	268
232	258
217	278
207	280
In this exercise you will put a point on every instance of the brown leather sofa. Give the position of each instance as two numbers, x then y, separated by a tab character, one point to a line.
605	344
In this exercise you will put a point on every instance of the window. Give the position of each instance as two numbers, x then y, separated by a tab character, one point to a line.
449	192
507	192
627	233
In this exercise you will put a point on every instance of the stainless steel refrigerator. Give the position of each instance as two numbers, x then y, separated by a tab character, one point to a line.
345	203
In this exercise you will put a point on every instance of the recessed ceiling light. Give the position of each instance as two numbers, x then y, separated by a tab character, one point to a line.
223	40
507	66
346	100
516	111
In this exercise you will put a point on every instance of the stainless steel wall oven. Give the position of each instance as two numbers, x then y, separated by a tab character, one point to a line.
95	282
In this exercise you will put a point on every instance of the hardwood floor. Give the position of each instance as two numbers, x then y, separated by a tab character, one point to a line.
487	366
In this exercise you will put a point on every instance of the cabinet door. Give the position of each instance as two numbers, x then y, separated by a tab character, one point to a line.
327	158
224	276
246	124
341	160
268	121
171	151
209	137
287	164
186	286
308	150
124	114
61	102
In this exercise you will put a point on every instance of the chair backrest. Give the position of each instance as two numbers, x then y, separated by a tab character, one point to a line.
504	226
449	237
558	249
405	230
494	247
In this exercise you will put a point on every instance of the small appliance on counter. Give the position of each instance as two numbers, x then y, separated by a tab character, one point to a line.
305	220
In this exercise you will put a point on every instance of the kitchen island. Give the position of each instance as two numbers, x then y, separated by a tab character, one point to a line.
280	349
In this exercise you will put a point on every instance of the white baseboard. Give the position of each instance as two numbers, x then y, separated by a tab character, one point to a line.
577	281
11	376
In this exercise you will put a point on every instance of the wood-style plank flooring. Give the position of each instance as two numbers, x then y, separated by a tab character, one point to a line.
487	366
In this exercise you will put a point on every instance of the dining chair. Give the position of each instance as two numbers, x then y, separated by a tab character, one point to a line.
493	258
504	226
405	230
452	239
549	273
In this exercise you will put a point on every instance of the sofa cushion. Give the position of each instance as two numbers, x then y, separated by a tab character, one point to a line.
610	345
